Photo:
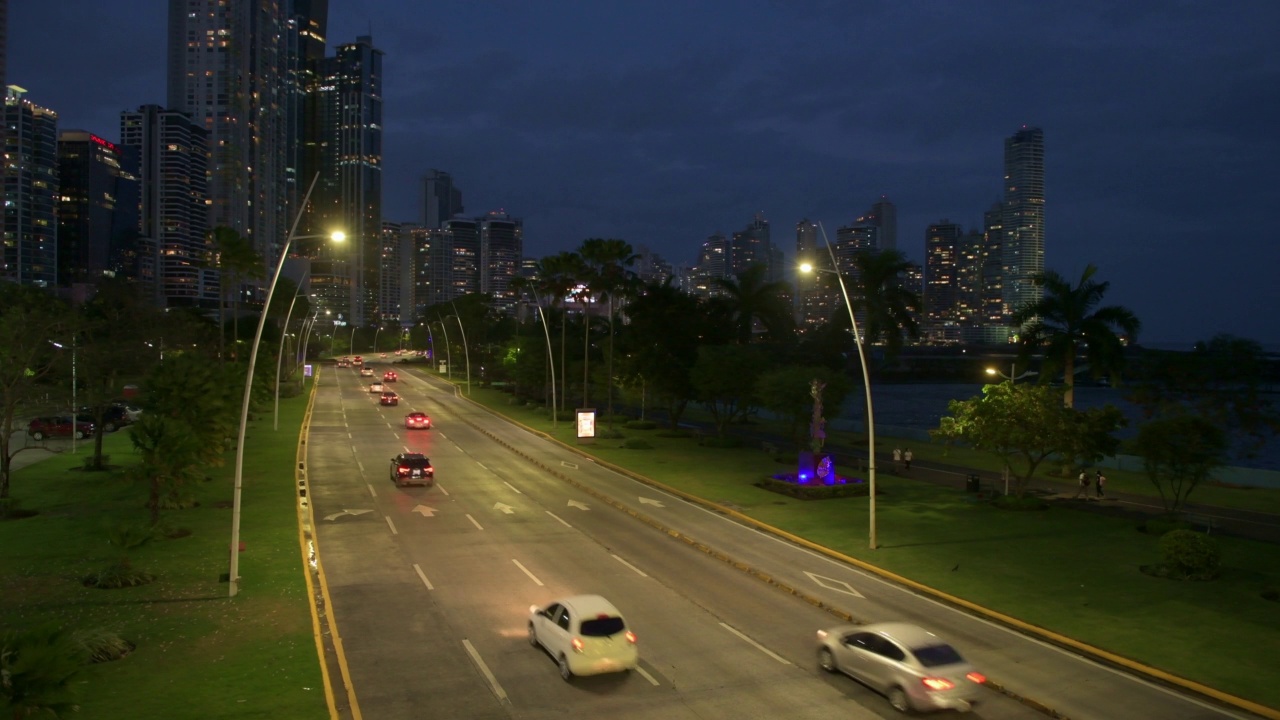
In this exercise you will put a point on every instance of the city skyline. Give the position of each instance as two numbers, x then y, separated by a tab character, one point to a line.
663	127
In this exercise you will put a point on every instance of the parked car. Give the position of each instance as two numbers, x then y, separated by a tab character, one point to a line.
390	376
911	666
133	412
114	417
59	426
417	421
376	387
389	398
412	469
366	372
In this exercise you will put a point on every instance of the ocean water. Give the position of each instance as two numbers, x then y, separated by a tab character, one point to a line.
910	410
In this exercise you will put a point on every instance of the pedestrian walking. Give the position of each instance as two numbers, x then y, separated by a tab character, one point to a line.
906	459
897	458
1084	485
1098	483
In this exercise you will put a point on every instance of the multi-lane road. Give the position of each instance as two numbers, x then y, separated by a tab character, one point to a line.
431	587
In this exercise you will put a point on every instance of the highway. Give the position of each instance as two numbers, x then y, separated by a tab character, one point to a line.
431	587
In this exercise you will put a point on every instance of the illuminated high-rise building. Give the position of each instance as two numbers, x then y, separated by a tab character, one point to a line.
1022	252
30	248
97	209
501	248
441	199
884	216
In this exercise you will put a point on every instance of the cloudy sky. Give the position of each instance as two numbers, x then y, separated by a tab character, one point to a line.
665	121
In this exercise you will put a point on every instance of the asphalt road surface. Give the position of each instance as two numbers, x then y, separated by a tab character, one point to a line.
431	587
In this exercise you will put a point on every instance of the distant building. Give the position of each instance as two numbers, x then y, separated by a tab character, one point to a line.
650	267
1022	251
752	246
941	286
97	209
30	192
882	215
501	248
714	262
816	293
173	212
441	199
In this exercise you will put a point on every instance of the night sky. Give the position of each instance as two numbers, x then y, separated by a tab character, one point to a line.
664	122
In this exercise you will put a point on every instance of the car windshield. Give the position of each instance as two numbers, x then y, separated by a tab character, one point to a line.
603	627
937	655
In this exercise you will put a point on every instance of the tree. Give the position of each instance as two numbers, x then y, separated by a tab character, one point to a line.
30	320
876	291
609	262
236	259
755	301
37	667
661	343
724	381
169	452
1179	453
785	392
205	396
1063	321
1025	424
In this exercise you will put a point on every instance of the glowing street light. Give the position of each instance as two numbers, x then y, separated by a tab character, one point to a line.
866	383
233	577
1012	377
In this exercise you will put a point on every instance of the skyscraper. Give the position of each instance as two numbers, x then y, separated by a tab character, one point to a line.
1023	217
501	247
884	216
348	195
174	220
30	248
941	285
228	69
751	246
96	189
441	199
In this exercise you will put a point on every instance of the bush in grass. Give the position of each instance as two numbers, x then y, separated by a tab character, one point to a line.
636	444
674	433
36	671
814	491
603	433
1159	526
119	574
101	645
1189	555
1271	593
641	425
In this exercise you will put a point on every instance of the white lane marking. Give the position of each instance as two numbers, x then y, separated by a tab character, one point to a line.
526	572
650	501
372	492
505	508
482	467
557	517
578	504
633	567
473	522
446	492
833	584
513	487
391	525
566	463
484	670
358	463
646	675
757	645
423	575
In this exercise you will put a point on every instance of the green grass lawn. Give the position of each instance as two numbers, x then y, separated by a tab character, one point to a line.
1076	573
199	654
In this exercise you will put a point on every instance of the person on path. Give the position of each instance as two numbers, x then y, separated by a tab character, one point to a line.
906	459
1098	483
897	458
1084	485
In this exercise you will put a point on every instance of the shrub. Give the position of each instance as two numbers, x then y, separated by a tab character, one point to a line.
607	434
100	645
37	667
640	425
118	574
814	491
674	433
1190	555
636	444
1161	525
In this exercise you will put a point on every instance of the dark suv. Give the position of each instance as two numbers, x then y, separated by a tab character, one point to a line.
412	469
114	416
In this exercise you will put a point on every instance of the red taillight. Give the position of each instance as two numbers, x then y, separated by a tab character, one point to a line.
937	683
631	637
977	677
403	469
577	645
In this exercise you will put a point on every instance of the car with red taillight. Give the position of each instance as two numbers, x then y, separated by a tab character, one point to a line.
915	669
389	398
390	376
412	469
417	421
585	635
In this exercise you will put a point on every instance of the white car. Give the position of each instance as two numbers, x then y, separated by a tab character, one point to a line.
911	666
585	634
376	388
366	372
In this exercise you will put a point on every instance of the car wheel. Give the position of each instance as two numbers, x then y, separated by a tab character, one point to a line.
38	435
899	700
81	435
826	660
533	636
565	673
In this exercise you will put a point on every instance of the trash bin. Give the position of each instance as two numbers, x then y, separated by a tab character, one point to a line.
972	484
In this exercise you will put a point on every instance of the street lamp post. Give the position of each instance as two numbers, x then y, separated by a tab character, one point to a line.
233	578
866	383
448	350
465	351
309	325
280	358
374	350
1012	377
551	364
75	412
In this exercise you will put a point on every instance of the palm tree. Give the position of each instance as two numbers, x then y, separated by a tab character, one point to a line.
1064	320
236	258
609	262
876	291
755	300
557	276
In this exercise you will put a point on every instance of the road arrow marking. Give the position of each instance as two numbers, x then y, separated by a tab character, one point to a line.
833	584
578	504
648	501
337	515
425	511
504	508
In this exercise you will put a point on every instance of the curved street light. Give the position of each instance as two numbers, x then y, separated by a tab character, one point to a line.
866	383
374	350
233	578
466	352
275	413
551	361
351	346
448	350
1012	377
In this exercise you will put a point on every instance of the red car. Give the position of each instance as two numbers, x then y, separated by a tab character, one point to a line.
390	376
417	421
357	361
59	426
390	398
